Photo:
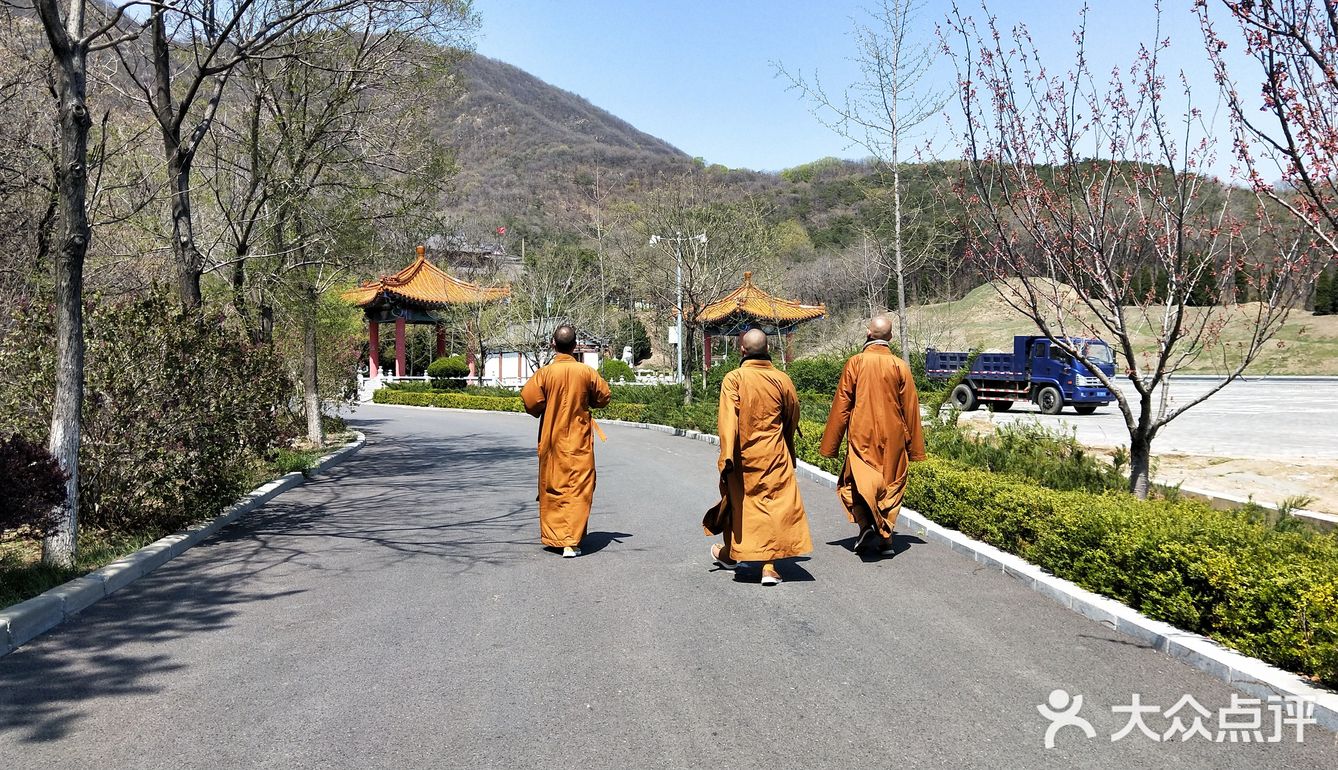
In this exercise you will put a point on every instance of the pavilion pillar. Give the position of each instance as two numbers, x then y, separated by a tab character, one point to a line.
373	349
441	341
399	347
706	351
789	349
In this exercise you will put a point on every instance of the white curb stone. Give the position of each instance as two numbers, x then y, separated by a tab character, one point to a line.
22	622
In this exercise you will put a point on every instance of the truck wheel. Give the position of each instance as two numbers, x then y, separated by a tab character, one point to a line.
964	398
1000	406
1050	400
1085	408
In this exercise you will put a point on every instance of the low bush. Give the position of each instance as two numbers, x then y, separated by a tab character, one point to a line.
1030	450
614	411
613	370
448	373
411	386
819	374
31	486
178	409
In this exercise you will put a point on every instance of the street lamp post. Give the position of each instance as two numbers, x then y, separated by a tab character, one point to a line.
678	303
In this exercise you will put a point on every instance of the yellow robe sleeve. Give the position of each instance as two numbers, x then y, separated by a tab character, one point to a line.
838	419
533	395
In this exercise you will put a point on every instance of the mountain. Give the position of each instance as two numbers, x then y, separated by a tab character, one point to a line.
524	146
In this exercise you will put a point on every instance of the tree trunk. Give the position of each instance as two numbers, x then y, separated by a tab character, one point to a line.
310	395
1140	464
896	251
188	262
239	295
686	345
266	323
58	548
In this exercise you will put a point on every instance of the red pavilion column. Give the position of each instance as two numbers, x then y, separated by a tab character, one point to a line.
441	341
373	349
789	348
399	347
706	351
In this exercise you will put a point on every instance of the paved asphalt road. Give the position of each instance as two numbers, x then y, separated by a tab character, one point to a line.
1267	419
400	613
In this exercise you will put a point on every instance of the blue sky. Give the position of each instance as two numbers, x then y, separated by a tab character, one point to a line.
700	76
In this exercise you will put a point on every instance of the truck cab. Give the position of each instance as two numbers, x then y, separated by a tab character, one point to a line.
1058	380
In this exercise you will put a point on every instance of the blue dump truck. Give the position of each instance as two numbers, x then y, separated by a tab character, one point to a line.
1036	370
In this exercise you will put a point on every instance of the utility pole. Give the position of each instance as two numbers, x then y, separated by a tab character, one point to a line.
678	257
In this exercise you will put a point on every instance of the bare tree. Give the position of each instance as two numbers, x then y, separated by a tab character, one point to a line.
704	237
71	40
196	46
556	287
1090	207
882	112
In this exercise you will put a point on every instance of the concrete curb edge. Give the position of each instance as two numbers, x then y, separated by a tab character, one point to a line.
22	622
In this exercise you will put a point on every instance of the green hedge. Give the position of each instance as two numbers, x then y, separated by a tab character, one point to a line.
1268	593
628	412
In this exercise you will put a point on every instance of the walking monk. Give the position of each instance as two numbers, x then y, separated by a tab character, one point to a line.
876	404
760	514
561	395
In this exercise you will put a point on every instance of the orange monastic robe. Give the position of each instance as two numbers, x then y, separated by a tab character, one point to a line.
760	512
876	404
561	395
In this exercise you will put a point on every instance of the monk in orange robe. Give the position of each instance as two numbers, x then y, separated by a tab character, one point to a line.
877	406
760	515
561	395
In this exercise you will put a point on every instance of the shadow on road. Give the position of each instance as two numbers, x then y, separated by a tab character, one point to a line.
900	544
416	497
595	542
43	685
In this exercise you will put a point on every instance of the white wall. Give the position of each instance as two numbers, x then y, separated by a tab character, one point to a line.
512	368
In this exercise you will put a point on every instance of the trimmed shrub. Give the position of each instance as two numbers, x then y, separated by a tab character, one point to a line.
819	374
613	370
614	411
31	486
449	373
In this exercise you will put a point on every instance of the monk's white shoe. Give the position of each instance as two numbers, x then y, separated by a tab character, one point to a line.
770	577
568	552
720	562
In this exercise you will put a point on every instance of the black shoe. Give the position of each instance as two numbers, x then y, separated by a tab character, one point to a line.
866	536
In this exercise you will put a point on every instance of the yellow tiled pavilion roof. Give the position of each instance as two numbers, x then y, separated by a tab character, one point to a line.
426	285
749	300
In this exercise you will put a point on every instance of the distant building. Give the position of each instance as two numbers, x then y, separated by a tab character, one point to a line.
513	355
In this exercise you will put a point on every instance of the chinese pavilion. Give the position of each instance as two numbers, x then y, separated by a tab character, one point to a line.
410	297
749	307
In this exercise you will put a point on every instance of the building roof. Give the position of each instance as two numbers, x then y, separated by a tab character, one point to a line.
423	284
749	301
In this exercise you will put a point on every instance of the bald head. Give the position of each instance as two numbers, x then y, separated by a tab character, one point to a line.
753	342
564	339
880	328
